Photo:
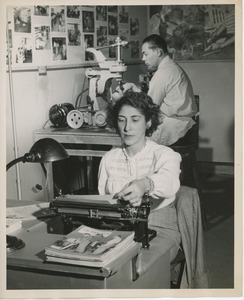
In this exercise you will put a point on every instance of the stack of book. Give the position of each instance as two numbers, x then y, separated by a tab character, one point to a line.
87	246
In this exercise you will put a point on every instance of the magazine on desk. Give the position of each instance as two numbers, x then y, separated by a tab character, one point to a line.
132	248
90	246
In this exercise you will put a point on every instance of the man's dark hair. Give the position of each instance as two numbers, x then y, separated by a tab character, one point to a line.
140	101
156	41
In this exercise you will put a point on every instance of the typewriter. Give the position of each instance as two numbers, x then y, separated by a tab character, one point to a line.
103	212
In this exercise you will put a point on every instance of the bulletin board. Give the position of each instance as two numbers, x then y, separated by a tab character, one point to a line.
58	35
195	32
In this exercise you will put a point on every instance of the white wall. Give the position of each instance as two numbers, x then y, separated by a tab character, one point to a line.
214	82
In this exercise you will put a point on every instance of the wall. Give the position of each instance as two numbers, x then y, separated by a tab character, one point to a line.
34	95
214	82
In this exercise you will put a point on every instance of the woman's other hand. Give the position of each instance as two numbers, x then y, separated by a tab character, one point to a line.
134	191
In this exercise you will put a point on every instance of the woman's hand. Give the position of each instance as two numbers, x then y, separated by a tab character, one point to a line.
134	191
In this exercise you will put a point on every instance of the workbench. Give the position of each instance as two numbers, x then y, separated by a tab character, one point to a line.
137	269
87	142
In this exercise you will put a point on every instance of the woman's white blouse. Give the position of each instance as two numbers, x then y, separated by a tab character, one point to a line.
157	162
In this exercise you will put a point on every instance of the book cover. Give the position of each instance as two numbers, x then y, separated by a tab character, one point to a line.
90	244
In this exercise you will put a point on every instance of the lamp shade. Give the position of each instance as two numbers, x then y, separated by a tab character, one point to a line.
46	150
43	151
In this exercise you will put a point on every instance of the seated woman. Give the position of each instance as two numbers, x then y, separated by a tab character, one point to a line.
140	166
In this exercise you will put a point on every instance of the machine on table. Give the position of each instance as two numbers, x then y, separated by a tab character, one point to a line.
100	84
103	212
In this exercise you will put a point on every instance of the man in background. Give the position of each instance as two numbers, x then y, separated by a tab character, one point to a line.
170	88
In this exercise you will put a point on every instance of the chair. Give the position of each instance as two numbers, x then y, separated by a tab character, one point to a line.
190	261
187	150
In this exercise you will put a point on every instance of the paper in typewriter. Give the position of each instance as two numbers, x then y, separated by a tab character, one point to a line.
90	244
95	199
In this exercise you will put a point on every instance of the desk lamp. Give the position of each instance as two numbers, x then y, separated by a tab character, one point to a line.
43	151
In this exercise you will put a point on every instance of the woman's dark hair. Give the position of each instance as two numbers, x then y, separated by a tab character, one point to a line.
140	101
156	41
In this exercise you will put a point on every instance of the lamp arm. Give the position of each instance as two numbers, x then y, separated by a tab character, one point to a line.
28	157
13	162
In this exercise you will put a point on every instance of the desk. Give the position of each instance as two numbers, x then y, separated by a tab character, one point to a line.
27	270
87	137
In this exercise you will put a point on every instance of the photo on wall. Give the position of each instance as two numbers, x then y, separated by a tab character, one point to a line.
59	48
89	43
196	32
102	36
124	35
135	51
58	18
73	11
123	14
134	26
112	50
88	21
112	25
42	38
23	50
22	19
74	34
101	13
113	8
41	10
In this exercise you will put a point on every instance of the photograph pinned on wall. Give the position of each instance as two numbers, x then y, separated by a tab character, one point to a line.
9	46
41	10
101	13
88	43
88	21
74	34
59	48
196	32
58	18
73	11
10	38
42	38
23	50
102	34
123	34
112	50
123	14
113	9
134	26
134	46
112	25
9	56
22	19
